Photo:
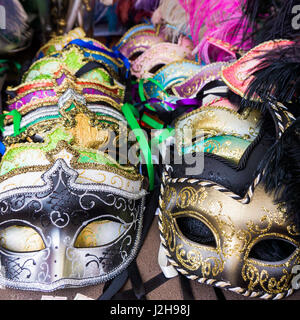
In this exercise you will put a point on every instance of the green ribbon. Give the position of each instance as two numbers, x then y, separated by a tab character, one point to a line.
16	121
163	135
142	93
145	118
6	67
151	122
128	111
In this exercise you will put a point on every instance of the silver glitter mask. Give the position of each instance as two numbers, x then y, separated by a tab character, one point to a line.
58	211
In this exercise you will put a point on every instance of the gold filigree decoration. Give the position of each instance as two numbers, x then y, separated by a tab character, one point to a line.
168	232
212	266
189	196
191	260
168	197
261	279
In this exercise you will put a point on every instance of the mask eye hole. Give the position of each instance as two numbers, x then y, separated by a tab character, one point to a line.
156	68
272	250
135	55
18	238
196	231
99	233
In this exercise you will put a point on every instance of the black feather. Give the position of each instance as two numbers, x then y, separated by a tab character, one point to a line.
279	23
277	76
268	20
281	166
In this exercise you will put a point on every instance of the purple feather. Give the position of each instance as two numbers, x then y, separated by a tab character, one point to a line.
146	5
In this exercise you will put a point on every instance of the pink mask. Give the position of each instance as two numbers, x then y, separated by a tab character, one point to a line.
238	75
160	54
139	44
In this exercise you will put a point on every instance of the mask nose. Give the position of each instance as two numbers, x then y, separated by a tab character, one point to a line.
64	261
57	255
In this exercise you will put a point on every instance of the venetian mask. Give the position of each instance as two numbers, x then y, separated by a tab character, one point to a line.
219	226
71	210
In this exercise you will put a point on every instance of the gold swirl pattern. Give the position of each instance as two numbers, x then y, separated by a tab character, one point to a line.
212	266
262	278
189	196
168	233
237	228
191	260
